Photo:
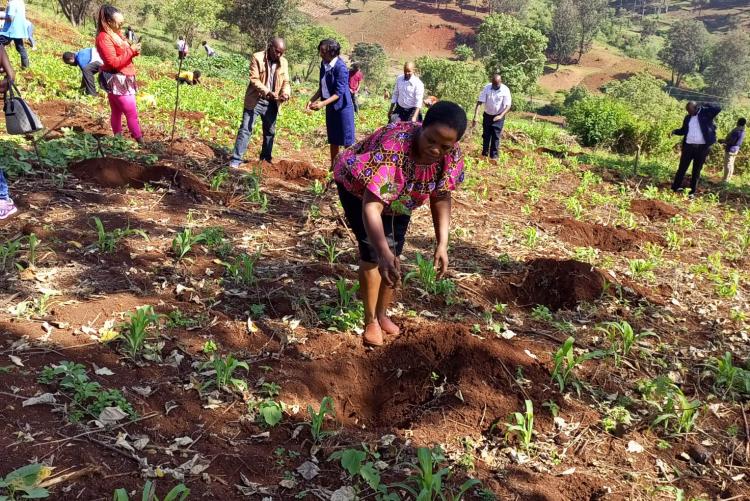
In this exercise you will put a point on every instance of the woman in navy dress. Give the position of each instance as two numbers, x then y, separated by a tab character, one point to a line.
334	94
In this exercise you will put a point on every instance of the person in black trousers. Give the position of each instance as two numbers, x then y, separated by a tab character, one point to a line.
699	134
496	99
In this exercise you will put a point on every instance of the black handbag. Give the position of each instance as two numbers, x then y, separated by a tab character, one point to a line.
19	117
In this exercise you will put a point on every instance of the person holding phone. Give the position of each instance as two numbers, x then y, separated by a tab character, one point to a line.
117	73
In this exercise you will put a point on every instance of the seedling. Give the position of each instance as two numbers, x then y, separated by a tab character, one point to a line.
622	338
23	483
135	331
675	413
523	428
531	236
271	411
253	193
427	483
272	390
329	251
178	493
318	188
426	275
361	463
33	245
348	313
184	241
542	313
317	418
224	368
728	378
242	269
8	253
107	240
641	268
615	418
218	179
566	362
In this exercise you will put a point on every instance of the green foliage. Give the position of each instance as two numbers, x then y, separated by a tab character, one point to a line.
157	48
426	275
673	411
329	250
317	418
348	313
457	81
615	418
728	71
564	32
463	52
23	483
135	331
729	378
180	492
87	398
373	62
687	45
271	412
225	66
513	50
107	240
523	428
224	368
427	484
598	120
241	270
302	48
9	252
258	19
189	19
622	338
184	241
354	461
566	362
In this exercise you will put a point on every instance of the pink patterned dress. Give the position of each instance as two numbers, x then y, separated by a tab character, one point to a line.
382	164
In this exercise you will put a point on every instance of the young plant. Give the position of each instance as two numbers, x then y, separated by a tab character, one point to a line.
642	268
224	368
426	275
8	253
348	313
427	483
542	313
616	418
622	338
218	179
318	188
362	464
107	240
135	330
271	411
729	378
674	412
179	492
317	418
531	236
23	483
523	428
33	245
566	362
184	241
329	250
253	194
242	269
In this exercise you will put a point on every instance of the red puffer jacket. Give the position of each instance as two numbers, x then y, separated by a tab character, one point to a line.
117	57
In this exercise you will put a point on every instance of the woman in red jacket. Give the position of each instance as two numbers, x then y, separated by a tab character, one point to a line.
117	74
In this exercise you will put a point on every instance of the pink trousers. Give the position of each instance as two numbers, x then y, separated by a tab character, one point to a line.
124	105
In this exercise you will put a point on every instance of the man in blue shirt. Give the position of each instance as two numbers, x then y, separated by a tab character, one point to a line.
89	61
14	28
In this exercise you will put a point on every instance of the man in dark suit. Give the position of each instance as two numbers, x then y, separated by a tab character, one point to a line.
699	133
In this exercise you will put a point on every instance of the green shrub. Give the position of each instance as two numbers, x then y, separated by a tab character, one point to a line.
599	120
230	67
458	81
463	52
157	48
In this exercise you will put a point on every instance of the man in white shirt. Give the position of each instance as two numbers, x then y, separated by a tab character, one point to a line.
496	99
408	96
182	48
699	131
210	52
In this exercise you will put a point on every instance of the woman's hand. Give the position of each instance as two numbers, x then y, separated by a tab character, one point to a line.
4	85
389	267
440	260
315	106
136	47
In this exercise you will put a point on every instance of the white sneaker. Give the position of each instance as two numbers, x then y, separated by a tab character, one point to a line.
7	208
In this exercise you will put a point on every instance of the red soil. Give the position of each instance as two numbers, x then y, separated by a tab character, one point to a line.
608	238
655	210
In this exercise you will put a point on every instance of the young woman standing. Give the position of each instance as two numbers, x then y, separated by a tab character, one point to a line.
7	207
117	74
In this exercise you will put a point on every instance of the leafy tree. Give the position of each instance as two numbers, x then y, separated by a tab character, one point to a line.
190	18
302	46
591	16
728	72
687	42
598	120
514	7
563	37
463	52
75	10
513	50
259	19
457	81
373	62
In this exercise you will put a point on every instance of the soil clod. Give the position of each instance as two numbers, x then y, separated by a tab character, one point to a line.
607	238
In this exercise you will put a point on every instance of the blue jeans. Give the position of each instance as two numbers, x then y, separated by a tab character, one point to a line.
3	187
21	48
267	111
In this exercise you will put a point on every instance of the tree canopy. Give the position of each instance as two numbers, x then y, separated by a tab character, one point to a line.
687	43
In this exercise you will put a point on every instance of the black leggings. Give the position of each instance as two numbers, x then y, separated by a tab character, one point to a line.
394	226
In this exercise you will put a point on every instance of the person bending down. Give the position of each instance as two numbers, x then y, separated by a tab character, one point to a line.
89	62
407	162
189	77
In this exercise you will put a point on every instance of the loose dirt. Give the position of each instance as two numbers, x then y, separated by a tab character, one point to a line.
549	282
655	210
288	170
192	149
608	238
115	172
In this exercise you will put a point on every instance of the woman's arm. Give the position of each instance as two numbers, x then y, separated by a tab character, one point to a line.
10	75
440	206
388	263
106	47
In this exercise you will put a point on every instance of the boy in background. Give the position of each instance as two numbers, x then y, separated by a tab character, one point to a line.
89	62
732	147
189	77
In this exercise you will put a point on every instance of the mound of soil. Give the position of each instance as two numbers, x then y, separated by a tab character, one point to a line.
607	238
289	170
116	172
549	282
194	149
395	387
655	210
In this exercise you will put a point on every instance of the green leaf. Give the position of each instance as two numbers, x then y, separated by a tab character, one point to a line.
36	493
120	495
351	460
271	412
178	493
371	475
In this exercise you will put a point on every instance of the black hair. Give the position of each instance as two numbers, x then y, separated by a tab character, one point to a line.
69	57
741	122
196	74
448	114
204	42
330	46
105	18
355	66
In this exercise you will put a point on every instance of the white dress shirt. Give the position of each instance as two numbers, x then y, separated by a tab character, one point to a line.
325	93
408	94
694	134
495	101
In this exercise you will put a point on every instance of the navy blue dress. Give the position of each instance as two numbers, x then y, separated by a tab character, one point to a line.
339	115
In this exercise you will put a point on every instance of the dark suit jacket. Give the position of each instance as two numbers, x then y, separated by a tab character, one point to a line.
706	115
337	81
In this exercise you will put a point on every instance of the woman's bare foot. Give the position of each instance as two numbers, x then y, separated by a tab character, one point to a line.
373	335
387	326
